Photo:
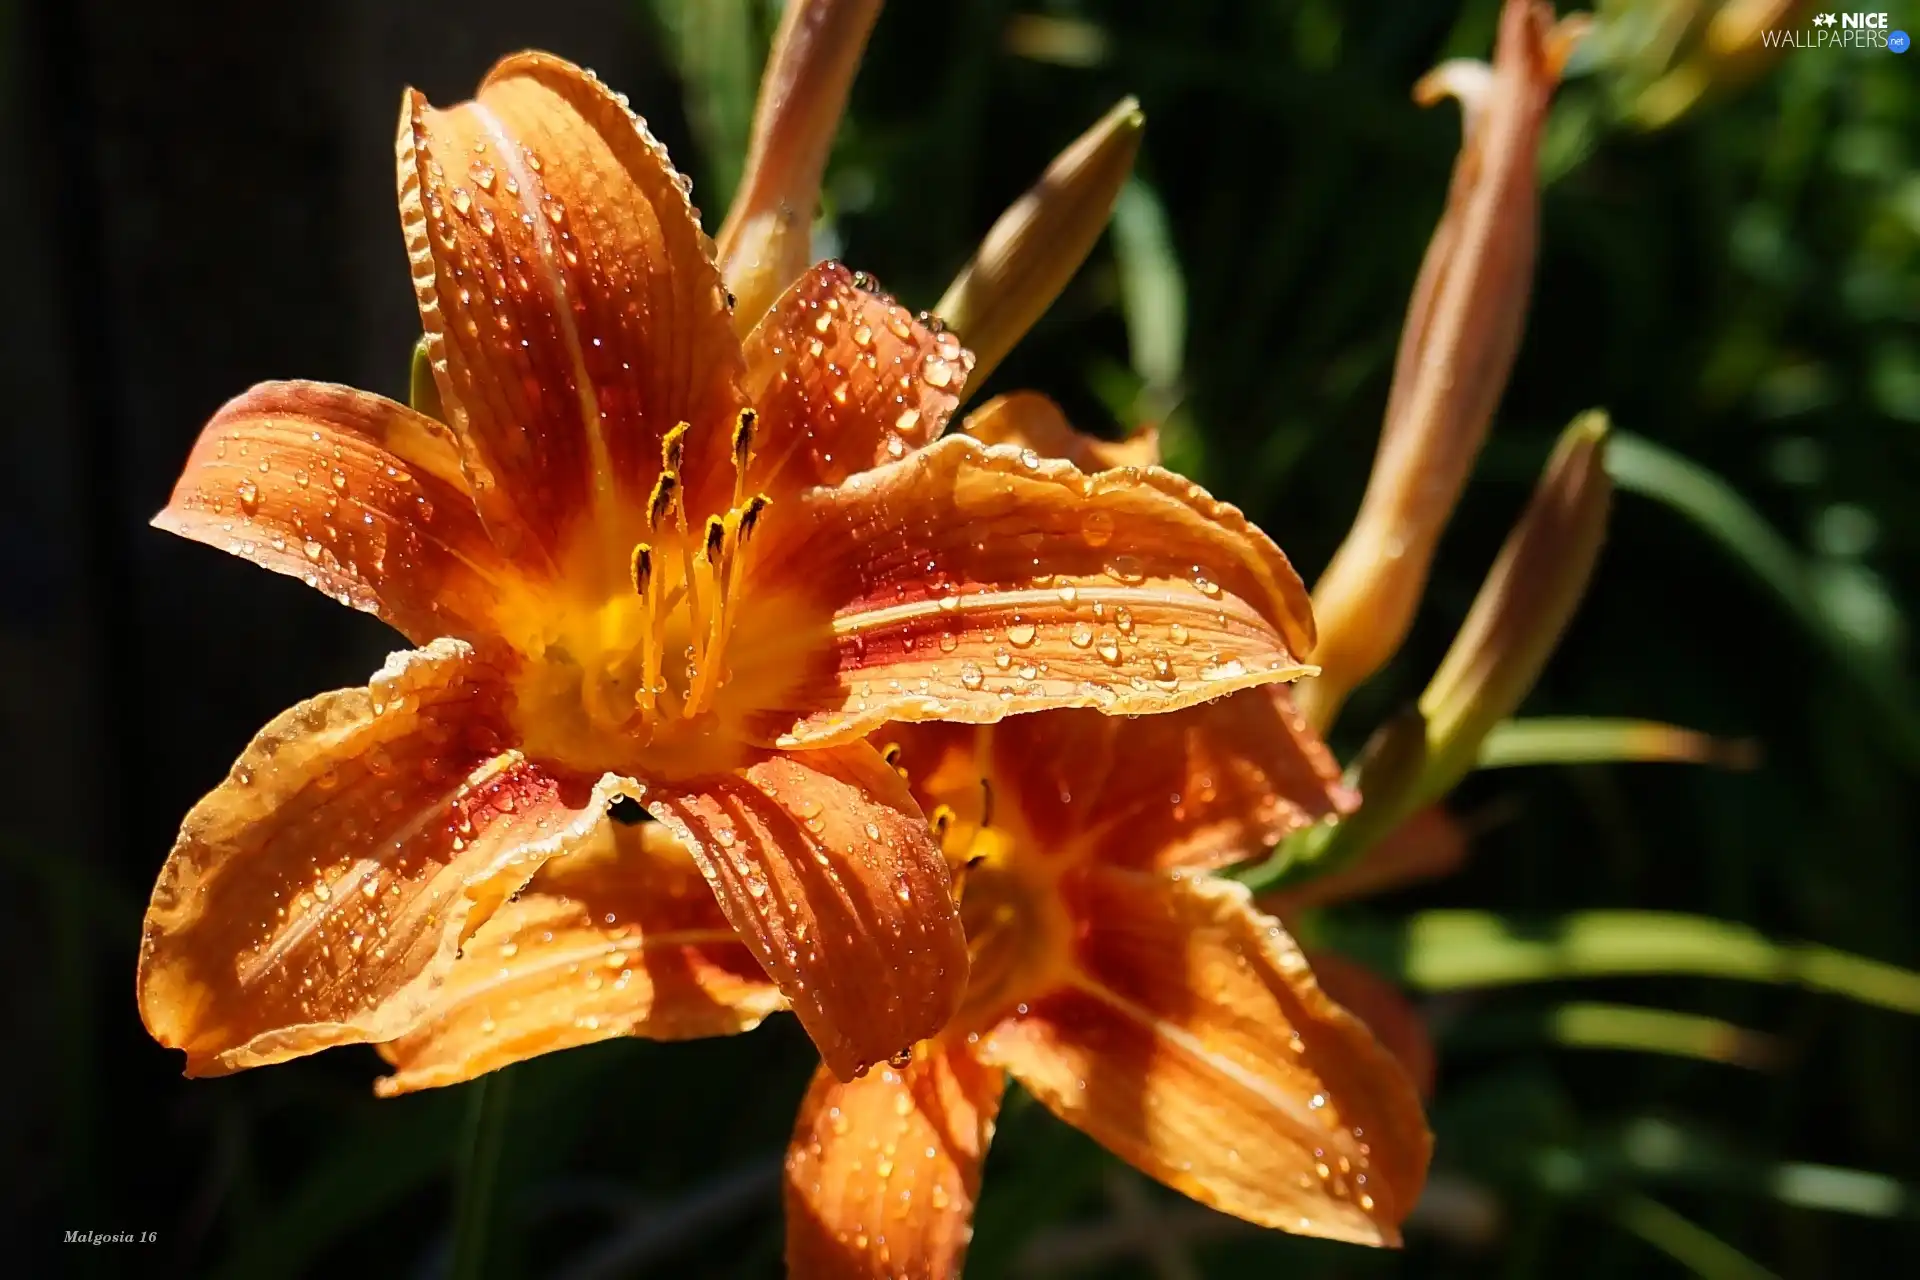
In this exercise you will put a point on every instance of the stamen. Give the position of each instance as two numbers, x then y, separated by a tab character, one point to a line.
986	803
645	585
642	569
673	448
664	491
742	452
716	536
940	821
751	515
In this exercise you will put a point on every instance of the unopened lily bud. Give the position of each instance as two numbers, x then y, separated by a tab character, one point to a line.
423	393
1457	348
766	242
1033	250
1524	605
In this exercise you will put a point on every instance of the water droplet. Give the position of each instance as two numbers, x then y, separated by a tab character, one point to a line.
970	675
482	173
1020	634
1097	527
462	200
907	421
1081	635
249	496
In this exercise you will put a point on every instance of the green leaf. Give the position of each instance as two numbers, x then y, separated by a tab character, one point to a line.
1153	291
1686	1242
1593	740
1711	504
1449	950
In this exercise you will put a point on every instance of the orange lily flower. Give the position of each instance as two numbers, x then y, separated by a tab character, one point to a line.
647	559
1142	1000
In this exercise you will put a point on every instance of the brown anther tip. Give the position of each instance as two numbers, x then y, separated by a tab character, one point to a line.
939	821
751	513
716	538
890	754
986	803
673	448
662	500
641	568
743	437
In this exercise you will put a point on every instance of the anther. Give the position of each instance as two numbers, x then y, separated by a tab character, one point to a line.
662	500
642	569
986	803
673	448
890	754
716	538
750	516
742	451
940	821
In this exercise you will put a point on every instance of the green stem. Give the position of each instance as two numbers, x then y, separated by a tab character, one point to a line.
488	1101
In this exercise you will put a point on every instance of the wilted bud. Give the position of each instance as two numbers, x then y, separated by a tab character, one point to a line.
1040	241
1456	350
766	242
1524	605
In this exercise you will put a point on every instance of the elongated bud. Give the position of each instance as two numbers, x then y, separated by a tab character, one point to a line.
766	242
1524	605
1456	350
1031	253
1530	594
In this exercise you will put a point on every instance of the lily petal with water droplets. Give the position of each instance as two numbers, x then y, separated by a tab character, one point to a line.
621	937
319	895
883	1172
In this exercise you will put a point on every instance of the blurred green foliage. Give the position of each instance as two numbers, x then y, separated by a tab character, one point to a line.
1739	288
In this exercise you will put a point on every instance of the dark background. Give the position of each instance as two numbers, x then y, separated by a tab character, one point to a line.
198	196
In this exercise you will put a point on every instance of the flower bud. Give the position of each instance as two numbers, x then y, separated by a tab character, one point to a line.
1456	350
1528	598
1032	252
766	242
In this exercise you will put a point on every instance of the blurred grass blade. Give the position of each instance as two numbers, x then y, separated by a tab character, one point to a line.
1447	950
1593	740
1658	1150
1153	293
1687	1243
488	1100
1642	467
716	50
1662	1031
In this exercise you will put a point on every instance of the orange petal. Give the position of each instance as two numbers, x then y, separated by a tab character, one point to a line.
968	582
357	495
844	379
1430	844
621	937
1029	420
572	311
827	870
319	894
883	1171
1385	1009
1198	788
1193	1042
